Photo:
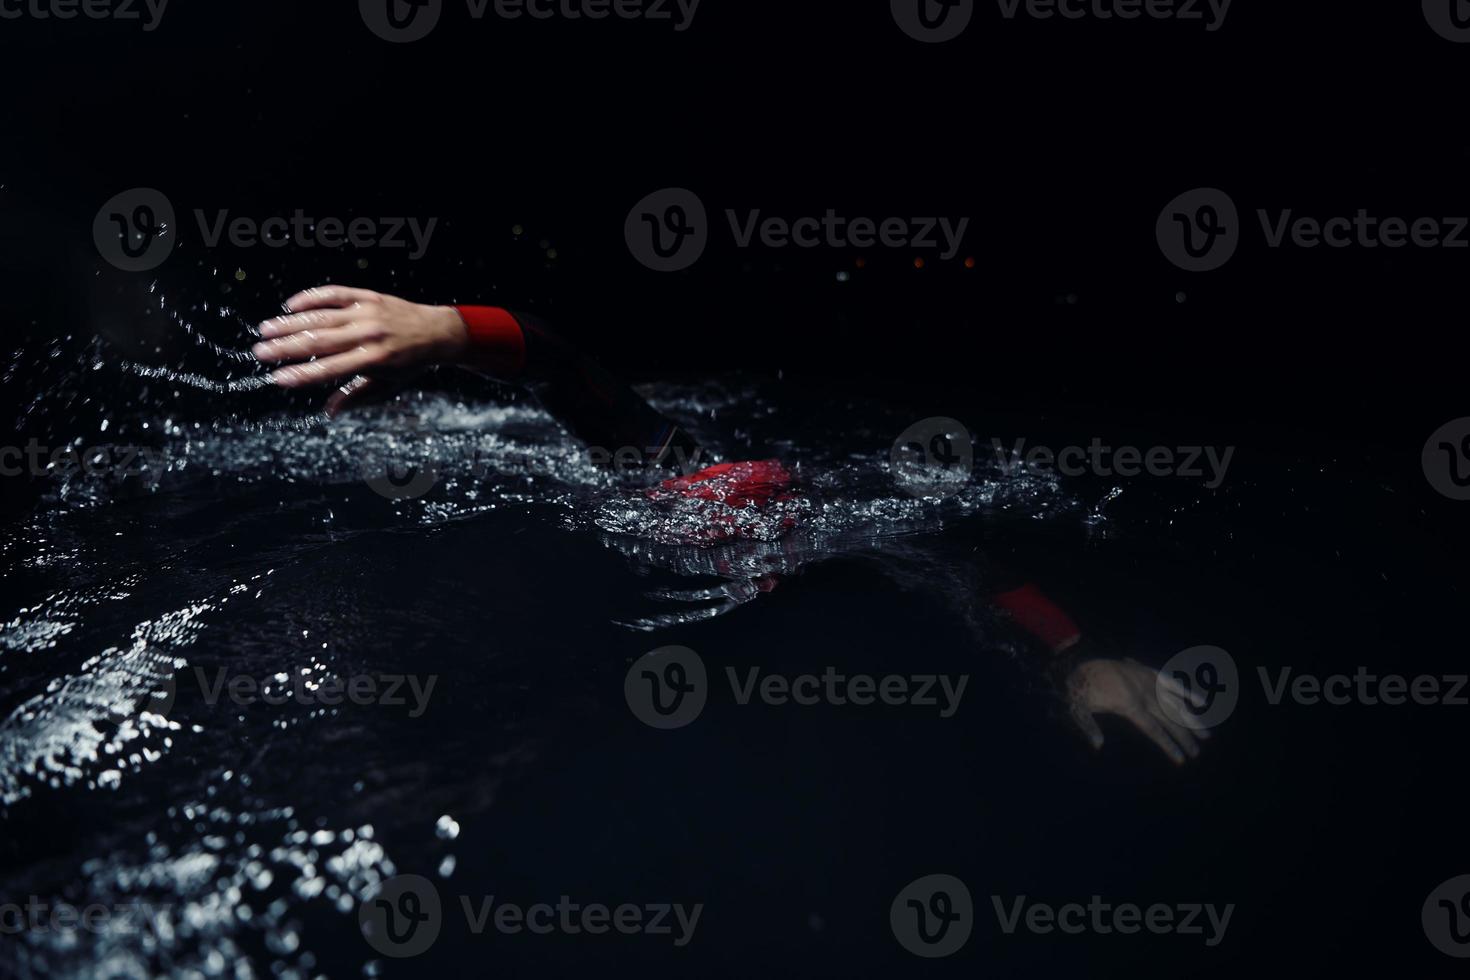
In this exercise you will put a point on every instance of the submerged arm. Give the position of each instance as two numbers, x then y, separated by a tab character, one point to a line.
1095	684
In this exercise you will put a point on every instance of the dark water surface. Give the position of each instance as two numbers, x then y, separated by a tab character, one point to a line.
525	583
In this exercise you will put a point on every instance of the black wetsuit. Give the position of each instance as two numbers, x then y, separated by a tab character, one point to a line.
600	409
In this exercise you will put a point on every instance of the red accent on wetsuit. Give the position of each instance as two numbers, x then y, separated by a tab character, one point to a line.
735	484
497	342
1039	616
753	484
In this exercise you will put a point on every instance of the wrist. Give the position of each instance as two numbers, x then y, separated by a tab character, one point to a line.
453	335
1071	668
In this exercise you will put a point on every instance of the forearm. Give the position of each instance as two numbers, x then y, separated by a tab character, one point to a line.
599	408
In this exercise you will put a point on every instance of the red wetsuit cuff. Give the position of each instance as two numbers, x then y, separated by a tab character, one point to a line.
1039	616
497	343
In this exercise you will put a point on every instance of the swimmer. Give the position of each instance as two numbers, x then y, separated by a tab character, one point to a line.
364	342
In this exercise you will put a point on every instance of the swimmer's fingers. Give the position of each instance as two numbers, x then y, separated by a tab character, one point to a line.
1172	702
1174	708
1181	735
320	297
326	369
1088	724
1157	733
355	392
1173	685
281	326
315	343
1178	710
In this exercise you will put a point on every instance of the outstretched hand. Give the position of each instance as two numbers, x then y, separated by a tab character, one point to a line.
358	338
1134	691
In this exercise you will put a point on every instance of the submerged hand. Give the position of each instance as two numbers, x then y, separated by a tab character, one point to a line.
337	333
1132	690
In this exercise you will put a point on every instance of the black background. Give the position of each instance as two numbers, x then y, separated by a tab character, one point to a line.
1060	140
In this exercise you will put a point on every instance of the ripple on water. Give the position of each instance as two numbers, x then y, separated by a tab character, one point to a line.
216	888
221	883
